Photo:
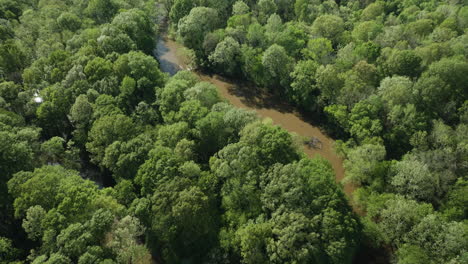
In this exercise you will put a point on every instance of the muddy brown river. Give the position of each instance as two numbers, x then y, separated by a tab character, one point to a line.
167	52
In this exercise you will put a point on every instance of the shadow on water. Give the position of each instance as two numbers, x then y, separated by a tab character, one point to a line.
255	97
166	58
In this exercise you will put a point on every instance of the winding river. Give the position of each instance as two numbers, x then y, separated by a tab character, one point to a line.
266	106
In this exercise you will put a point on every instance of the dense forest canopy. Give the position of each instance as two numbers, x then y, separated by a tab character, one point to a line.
388	78
106	159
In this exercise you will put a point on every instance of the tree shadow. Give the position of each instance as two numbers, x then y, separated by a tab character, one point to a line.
166	65
254	96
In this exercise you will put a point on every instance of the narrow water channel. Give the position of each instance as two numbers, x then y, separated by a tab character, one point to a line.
170	61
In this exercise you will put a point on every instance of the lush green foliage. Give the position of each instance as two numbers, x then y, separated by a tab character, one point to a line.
105	159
